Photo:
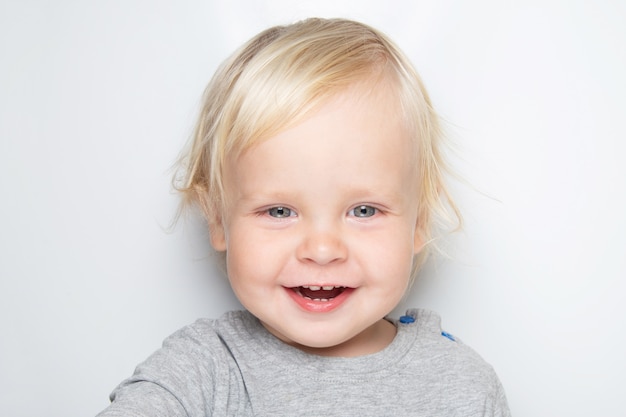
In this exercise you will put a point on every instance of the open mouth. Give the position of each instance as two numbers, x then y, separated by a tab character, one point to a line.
319	293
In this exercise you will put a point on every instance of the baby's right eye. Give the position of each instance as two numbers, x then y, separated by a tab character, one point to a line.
280	212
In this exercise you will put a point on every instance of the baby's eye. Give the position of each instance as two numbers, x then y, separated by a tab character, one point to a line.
280	212
363	211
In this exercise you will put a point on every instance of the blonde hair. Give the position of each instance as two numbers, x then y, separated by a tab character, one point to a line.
277	78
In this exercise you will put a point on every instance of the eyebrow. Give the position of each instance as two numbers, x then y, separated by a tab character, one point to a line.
363	195
367	194
256	195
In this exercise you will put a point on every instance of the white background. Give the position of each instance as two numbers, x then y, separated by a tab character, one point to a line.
97	98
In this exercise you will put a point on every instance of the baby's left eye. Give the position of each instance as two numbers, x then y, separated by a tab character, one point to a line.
363	211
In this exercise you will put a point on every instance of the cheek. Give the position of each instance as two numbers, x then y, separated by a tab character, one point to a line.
253	256
245	272
390	254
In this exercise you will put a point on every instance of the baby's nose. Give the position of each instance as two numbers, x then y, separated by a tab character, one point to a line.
322	247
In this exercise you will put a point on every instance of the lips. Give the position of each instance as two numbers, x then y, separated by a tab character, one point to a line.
319	299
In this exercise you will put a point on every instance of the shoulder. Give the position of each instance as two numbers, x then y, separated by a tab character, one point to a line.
444	355
190	368
198	343
447	372
206	342
426	332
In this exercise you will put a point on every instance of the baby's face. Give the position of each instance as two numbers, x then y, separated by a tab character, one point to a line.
320	229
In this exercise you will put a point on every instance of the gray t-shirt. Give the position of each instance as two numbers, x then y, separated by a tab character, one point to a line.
233	366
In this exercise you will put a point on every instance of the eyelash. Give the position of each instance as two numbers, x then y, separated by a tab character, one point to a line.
361	211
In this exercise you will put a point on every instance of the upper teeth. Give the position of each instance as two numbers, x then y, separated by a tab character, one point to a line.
317	287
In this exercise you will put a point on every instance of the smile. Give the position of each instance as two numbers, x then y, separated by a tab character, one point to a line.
319	299
317	293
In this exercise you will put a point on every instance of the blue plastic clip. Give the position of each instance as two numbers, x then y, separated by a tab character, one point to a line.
406	319
448	335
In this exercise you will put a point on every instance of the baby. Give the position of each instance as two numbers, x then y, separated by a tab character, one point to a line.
317	164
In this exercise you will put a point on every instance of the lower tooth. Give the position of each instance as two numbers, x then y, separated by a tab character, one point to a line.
316	299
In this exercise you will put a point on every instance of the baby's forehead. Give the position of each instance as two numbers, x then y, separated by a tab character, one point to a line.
368	98
360	125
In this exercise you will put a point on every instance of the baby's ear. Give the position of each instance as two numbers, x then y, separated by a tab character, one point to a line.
418	238
418	243
218	235
215	221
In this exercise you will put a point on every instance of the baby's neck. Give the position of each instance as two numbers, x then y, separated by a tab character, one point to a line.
372	340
